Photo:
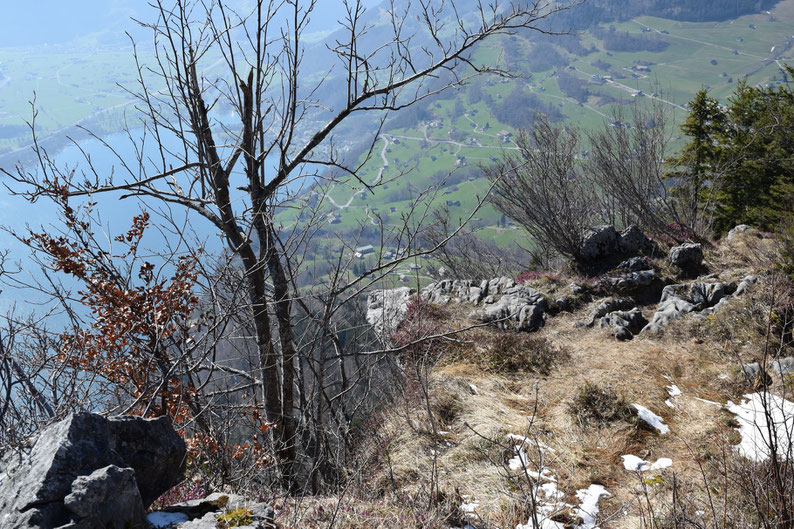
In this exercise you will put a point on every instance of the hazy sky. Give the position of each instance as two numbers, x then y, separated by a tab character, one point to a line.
35	22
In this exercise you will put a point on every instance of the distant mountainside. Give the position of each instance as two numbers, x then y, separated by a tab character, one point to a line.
601	11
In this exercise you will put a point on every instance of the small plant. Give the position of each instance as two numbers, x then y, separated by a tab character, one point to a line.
511	352
598	406
235	518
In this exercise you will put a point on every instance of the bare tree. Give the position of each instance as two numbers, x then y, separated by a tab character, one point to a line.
544	189
241	174
627	162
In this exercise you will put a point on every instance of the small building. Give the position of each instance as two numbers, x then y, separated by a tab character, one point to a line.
504	136
361	251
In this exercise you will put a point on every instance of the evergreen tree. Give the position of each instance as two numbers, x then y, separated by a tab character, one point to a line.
757	155
740	161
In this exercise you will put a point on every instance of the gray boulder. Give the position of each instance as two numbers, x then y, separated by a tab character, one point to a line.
751	370
738	230
698	298
633	241
520	306
783	366
152	449
625	324
632	282
35	481
598	242
635	264
107	498
605	307
687	257
386	310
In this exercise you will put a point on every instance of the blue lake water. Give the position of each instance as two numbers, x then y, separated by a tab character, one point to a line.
116	214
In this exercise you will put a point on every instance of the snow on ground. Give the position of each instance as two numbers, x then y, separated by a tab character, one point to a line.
550	500
673	390
634	463
588	509
652	419
166	519
758	435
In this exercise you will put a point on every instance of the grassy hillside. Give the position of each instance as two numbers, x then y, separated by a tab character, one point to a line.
445	140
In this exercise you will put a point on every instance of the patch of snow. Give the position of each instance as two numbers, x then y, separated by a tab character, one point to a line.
469	506
669	404
673	390
588	509
635	464
528	440
709	402
164	520
473	389
652	419
759	435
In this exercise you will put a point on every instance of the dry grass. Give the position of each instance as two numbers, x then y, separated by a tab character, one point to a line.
494	383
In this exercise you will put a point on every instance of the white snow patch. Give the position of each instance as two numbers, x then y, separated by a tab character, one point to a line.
635	464
669	404
652	419
552	503
522	439
588	509
550	499
757	434
673	390
164	520
709	402
473	389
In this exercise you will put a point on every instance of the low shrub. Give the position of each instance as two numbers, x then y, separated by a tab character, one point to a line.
598	406
511	352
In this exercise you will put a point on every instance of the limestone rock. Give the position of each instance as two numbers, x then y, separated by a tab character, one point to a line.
738	230
35	481
598	242
699	298
152	449
687	257
607	306
633	241
107	498
635	264
386	310
625	324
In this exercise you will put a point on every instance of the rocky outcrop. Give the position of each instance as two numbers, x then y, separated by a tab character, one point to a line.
54	481
598	242
503	301
107	498
605	307
605	241
520	306
625	324
699	298
635	264
633	241
386	309
739	230
635	284
687	257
